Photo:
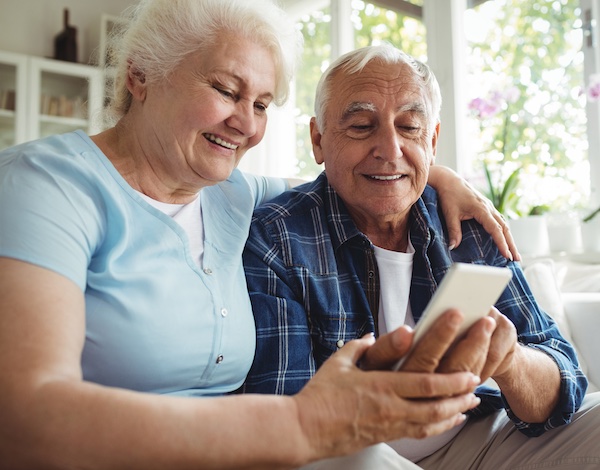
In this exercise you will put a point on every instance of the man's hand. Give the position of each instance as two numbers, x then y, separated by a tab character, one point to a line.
486	350
528	378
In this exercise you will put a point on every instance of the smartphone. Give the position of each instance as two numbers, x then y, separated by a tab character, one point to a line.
471	288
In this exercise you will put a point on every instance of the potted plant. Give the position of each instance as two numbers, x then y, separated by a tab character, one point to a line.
529	229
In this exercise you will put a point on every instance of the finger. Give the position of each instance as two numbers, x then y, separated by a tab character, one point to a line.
502	347
493	223
387	350
439	410
512	245
471	352
453	222
419	385
428	352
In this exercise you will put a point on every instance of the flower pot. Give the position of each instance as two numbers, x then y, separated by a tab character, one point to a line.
590	235
530	234
564	232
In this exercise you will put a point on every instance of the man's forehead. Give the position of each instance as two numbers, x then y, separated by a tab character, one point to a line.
393	81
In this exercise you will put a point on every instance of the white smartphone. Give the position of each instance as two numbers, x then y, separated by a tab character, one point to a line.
471	288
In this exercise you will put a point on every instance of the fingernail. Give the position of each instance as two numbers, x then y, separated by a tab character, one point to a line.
452	245
475	380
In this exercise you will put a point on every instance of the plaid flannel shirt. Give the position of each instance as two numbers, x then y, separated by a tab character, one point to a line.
314	285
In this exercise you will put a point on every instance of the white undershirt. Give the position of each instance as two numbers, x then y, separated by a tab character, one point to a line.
395	274
189	217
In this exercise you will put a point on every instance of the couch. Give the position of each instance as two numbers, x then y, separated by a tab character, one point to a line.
570	293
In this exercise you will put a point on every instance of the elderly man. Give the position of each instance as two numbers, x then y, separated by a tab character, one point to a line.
362	249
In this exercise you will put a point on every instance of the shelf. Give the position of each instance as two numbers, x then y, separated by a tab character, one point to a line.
7	114
49	97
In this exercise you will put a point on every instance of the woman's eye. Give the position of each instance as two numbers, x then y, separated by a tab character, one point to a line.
261	107
225	93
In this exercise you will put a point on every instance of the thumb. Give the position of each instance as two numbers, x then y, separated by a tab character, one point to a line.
388	349
354	350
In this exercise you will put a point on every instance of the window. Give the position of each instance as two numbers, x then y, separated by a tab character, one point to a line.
534	49
524	86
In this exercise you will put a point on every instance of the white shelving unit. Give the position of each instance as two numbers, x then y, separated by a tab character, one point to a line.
50	96
13	119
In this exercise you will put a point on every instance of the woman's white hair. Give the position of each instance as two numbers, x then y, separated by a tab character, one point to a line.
156	35
355	61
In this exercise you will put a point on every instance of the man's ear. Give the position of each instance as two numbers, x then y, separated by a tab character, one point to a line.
315	138
434	141
136	82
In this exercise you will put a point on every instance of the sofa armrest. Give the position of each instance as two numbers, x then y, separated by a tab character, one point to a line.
582	311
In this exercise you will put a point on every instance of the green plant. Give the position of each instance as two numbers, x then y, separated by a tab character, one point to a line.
503	194
590	216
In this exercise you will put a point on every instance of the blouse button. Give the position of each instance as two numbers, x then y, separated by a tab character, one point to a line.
219	359
340	343
207	271
224	312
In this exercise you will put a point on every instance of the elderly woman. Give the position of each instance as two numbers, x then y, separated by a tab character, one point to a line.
122	293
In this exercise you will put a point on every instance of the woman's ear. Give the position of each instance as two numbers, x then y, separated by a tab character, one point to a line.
315	138
136	82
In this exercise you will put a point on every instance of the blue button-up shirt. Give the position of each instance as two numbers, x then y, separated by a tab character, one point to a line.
314	285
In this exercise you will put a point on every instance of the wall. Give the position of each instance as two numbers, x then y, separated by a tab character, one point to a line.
29	26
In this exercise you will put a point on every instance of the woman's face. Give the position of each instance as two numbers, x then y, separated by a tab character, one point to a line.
211	110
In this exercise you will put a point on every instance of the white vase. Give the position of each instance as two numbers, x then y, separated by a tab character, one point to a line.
564	232
590	235
530	234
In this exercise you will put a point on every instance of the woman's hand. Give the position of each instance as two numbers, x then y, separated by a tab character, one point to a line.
460	201
343	408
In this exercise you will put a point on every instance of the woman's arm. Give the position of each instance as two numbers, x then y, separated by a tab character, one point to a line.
51	418
460	201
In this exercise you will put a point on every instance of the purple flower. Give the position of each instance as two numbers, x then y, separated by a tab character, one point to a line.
593	91
484	108
496	101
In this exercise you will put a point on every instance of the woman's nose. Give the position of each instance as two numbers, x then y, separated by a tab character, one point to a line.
243	118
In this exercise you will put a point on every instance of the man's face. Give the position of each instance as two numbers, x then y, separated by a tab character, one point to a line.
378	142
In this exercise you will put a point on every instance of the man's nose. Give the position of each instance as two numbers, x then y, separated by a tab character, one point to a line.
389	143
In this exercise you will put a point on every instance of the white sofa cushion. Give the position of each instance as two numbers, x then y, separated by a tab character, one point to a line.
542	279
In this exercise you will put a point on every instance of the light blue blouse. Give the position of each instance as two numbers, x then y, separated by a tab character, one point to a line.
155	321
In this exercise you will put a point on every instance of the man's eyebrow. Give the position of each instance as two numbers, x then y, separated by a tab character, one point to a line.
357	107
415	107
